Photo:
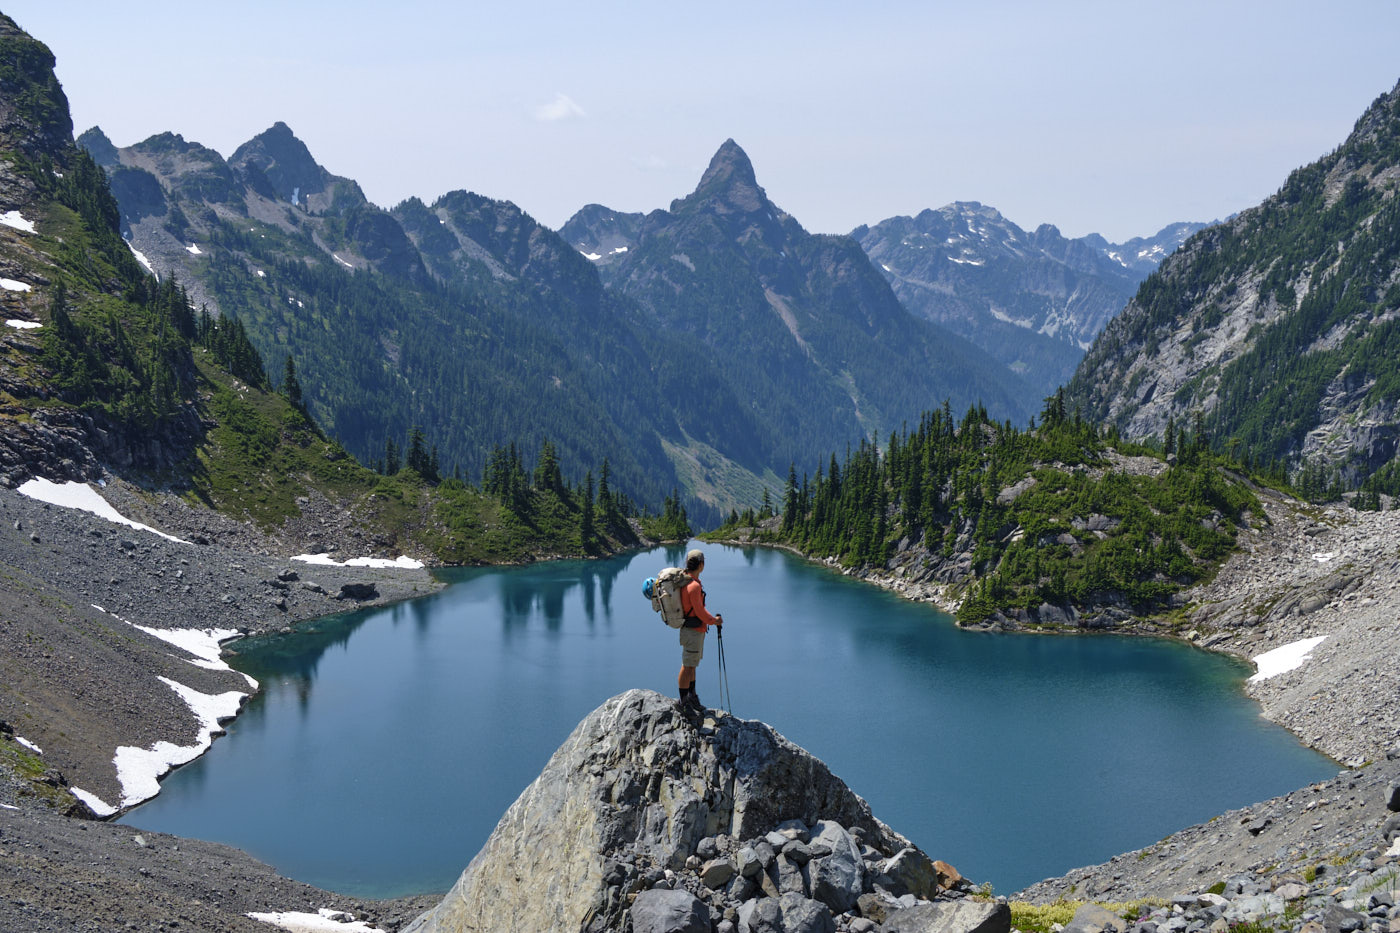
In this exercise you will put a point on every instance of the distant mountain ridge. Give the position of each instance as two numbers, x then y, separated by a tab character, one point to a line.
1034	301
1279	329
487	328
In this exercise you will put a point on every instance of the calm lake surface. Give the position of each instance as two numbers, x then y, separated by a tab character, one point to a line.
385	744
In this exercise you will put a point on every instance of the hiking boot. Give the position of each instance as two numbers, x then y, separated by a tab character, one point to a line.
692	701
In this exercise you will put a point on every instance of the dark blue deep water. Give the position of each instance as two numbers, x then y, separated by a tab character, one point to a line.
386	744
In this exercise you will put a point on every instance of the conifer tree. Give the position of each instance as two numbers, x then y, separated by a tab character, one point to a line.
291	387
586	531
391	457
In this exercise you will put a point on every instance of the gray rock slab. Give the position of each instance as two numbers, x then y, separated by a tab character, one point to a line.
964	916
838	879
1091	918
659	911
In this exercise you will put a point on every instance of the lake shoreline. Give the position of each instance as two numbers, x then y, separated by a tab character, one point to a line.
96	565
1271	593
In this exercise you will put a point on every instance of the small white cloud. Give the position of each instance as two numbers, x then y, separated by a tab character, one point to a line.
561	108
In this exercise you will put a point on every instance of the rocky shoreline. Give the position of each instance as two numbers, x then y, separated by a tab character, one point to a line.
88	609
85	604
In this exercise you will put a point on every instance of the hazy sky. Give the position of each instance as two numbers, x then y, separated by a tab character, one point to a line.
1110	117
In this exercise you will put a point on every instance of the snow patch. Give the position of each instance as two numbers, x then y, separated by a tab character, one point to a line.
83	497
966	262
95	803
886	268
6	806
592	257
194	250
141	258
332	921
620	249
15	220
1285	658
1324	557
203	643
1001	315
11	285
261	274
23	325
403	561
140	769
341	261
29	745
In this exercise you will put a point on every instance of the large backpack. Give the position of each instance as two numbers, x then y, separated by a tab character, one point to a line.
664	591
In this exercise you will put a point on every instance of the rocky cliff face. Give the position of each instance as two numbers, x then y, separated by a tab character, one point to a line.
1034	301
649	819
1278	326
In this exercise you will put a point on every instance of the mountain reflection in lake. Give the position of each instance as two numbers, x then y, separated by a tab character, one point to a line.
387	743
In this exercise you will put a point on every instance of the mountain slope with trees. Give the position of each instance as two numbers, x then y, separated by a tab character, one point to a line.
1279	329
800	326
1061	524
468	318
105	368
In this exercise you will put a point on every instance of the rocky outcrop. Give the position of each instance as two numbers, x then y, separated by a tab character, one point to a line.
1269	326
650	818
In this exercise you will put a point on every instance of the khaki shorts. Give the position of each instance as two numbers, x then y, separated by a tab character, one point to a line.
692	646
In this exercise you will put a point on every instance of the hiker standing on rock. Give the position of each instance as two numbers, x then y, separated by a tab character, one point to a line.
697	622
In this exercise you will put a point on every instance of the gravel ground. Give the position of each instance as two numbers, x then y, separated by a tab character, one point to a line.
1330	573
74	875
78	682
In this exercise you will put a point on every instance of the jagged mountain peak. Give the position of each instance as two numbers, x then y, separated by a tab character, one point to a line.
285	160
99	146
729	185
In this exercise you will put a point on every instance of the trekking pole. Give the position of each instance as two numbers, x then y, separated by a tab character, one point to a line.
723	676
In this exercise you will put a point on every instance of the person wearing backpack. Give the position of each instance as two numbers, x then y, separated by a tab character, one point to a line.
697	622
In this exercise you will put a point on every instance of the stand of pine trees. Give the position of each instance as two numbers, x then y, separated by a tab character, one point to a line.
1018	503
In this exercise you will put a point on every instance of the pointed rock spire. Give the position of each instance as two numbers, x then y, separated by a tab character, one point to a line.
285	160
728	185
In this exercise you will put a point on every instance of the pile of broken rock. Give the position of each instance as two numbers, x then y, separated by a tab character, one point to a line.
651	820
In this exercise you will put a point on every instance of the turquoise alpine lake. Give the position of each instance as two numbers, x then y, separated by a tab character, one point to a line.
385	744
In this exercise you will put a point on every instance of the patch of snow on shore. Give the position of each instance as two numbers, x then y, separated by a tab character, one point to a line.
23	325
83	497
403	561
323	920
95	803
1285	658
16	220
140	769
11	285
29	745
203	643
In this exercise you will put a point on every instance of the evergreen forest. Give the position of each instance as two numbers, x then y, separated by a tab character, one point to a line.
1062	513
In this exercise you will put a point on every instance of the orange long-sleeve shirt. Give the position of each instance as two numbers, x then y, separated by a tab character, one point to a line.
693	605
